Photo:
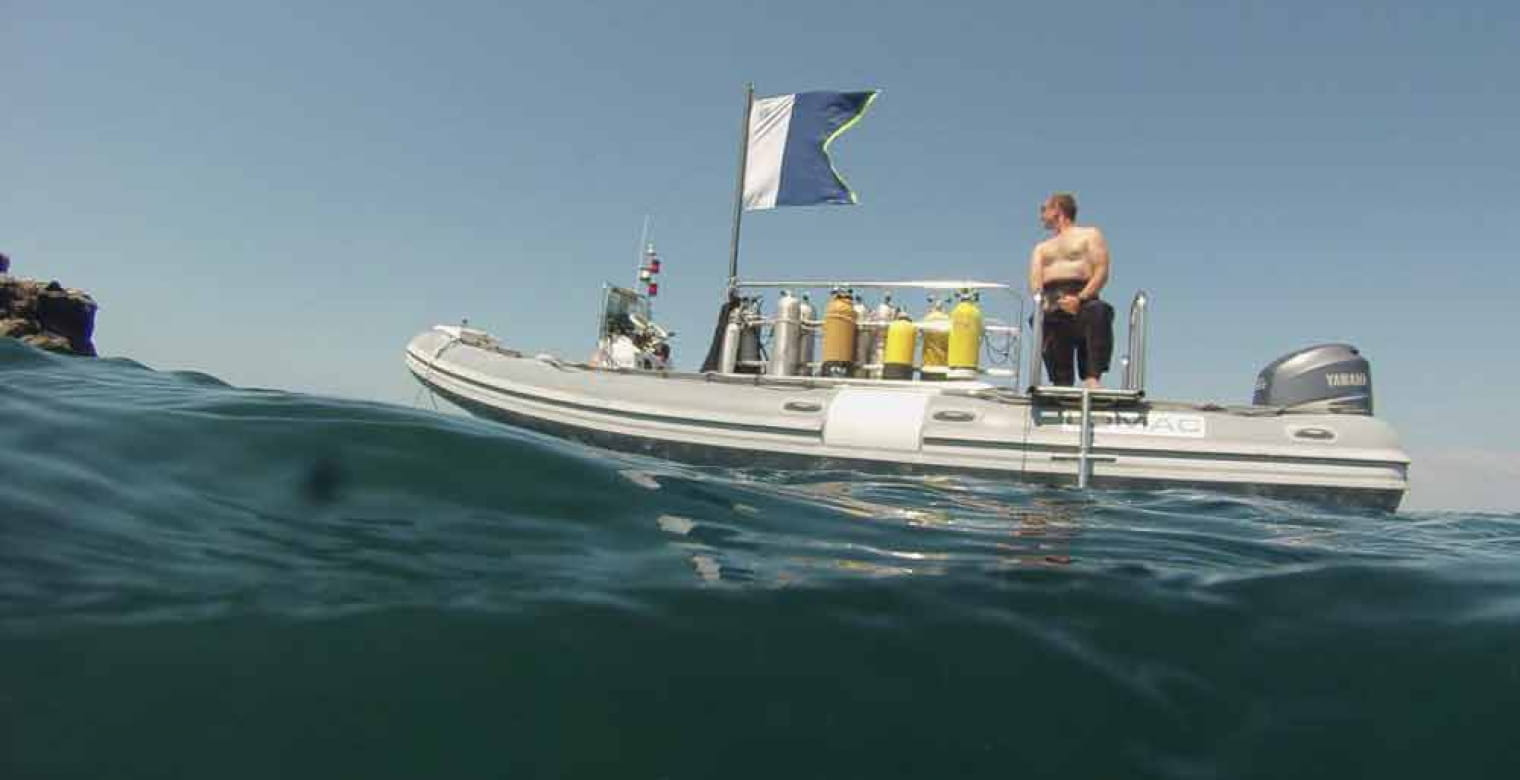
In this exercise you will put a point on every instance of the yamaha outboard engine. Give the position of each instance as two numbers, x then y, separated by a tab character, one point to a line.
1328	377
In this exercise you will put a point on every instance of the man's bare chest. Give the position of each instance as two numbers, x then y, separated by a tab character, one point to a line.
1064	250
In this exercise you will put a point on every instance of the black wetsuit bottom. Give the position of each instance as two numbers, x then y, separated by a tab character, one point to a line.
1088	334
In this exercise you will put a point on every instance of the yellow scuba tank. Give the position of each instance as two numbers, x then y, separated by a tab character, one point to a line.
965	336
936	341
897	358
838	335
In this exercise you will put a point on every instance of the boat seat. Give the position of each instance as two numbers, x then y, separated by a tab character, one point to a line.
1102	398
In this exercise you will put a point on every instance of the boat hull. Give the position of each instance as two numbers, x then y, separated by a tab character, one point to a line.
919	428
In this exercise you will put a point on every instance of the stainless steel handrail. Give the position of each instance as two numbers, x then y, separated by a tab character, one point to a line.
1037	344
1134	362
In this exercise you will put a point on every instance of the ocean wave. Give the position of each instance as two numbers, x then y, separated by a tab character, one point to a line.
129	488
364	588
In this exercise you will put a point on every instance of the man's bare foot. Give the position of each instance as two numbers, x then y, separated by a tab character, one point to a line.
1092	383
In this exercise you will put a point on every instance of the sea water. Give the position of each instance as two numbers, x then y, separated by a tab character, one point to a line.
198	580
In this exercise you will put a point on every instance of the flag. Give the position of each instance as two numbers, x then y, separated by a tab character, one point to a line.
787	162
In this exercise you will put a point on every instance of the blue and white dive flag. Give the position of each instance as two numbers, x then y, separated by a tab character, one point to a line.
788	159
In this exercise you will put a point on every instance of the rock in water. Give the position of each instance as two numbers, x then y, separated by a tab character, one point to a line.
47	316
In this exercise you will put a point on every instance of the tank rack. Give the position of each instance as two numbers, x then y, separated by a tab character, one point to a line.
877	341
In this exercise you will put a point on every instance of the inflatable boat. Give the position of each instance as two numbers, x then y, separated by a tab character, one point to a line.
765	401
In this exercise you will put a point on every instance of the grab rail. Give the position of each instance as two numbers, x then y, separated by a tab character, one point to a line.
1037	344
1134	362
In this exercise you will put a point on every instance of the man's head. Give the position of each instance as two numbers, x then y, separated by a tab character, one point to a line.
1058	209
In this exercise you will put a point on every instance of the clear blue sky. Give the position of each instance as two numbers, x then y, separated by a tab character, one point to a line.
282	193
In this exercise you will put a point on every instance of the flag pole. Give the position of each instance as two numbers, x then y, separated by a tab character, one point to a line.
733	245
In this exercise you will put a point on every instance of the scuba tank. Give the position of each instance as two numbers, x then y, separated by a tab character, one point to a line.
749	360
897	357
965	336
730	354
880	322
936	342
806	335
784	336
864	337
838	335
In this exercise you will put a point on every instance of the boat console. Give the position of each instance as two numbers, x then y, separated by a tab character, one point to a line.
627	335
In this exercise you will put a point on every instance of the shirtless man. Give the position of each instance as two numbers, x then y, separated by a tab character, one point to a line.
1070	268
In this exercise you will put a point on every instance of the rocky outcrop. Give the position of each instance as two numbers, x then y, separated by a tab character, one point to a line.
47	315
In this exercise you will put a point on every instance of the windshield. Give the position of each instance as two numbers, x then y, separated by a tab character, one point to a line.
617	305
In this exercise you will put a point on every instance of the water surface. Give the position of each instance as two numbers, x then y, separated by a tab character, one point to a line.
198	580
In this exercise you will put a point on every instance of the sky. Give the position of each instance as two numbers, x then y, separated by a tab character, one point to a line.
281	194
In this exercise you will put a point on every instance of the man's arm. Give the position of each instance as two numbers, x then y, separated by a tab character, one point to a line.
1036	271
1099	253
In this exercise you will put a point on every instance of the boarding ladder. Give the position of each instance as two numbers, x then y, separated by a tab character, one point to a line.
1130	395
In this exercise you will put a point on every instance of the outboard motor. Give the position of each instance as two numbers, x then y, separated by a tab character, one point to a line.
1331	377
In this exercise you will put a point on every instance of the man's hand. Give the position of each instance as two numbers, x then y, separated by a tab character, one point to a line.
1069	303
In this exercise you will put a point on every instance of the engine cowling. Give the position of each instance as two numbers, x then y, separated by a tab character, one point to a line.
1332	377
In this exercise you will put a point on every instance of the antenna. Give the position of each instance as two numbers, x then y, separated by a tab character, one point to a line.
649	260
638	252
